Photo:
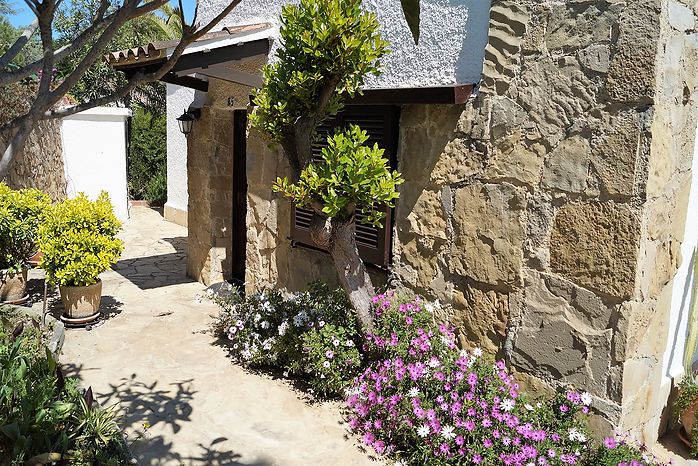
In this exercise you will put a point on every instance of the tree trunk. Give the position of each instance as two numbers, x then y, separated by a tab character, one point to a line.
340	239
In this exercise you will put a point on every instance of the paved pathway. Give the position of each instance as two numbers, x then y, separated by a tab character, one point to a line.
153	357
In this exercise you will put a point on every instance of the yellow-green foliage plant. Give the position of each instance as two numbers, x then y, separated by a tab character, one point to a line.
78	240
21	213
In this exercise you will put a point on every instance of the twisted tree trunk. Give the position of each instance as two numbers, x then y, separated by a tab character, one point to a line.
339	238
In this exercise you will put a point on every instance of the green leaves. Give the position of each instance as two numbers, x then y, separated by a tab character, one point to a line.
21	211
324	42
78	239
411	10
352	176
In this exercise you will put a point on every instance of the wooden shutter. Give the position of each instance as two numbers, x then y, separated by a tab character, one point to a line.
381	124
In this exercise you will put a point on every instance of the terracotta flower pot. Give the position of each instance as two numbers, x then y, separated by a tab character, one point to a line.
13	286
81	303
35	258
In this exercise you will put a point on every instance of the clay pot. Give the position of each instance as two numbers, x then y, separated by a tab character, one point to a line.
688	420
13	286
35	258
81	303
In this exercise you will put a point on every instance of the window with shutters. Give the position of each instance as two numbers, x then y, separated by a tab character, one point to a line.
381	124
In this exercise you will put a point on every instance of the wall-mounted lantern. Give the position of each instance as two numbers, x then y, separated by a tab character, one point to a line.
186	120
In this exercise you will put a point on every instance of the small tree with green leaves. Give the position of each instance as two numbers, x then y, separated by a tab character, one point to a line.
329	47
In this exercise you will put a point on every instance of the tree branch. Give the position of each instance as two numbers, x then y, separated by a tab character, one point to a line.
19	44
190	35
99	23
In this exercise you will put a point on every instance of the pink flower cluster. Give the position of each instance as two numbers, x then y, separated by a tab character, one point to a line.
438	405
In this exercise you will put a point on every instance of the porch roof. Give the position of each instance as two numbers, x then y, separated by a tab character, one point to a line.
212	54
206	57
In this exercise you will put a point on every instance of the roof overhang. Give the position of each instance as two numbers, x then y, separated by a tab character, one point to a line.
215	54
206	57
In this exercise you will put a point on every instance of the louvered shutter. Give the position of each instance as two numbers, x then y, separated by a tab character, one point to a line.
381	124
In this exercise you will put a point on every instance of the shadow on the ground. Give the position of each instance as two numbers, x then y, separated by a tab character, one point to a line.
148	407
158	270
671	442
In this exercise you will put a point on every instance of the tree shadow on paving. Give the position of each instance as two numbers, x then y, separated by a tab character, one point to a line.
159	452
160	408
158	270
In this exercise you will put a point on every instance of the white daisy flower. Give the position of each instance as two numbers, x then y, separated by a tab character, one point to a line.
423	431
264	324
528	407
335	342
507	405
447	432
414	391
586	398
477	352
445	340
257	317
283	328
321	323
326	364
349	343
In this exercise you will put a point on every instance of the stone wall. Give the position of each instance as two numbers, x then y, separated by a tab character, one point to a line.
546	214
40	165
560	194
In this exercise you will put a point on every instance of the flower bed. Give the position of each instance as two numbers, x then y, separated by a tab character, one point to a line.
413	395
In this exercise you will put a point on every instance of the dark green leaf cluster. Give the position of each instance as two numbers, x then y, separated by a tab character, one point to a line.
323	42
44	415
350	176
147	167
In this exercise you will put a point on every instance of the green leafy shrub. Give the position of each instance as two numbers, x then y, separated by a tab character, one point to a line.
43	414
332	41
351	174
310	334
156	190
78	239
147	160
21	212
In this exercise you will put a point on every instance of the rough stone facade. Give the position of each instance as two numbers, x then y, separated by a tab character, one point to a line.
562	187
40	165
546	214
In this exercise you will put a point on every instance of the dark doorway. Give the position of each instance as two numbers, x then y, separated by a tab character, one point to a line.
239	233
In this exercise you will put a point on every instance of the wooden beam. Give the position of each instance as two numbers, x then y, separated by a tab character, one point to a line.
223	54
455	94
226	74
186	81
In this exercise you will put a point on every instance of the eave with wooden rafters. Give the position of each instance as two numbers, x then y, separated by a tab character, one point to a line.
212	55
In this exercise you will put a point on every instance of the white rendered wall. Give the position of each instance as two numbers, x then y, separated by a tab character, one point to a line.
451	47
178	99
683	284
94	152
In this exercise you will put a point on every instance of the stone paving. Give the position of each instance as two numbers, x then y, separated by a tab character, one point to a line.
151	355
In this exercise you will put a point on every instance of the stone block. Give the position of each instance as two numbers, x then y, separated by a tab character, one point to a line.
631	74
595	244
489	233
456	163
596	57
567	166
481	317
619	153
681	17
513	158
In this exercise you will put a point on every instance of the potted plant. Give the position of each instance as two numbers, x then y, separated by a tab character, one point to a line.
686	403
78	242
21	212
